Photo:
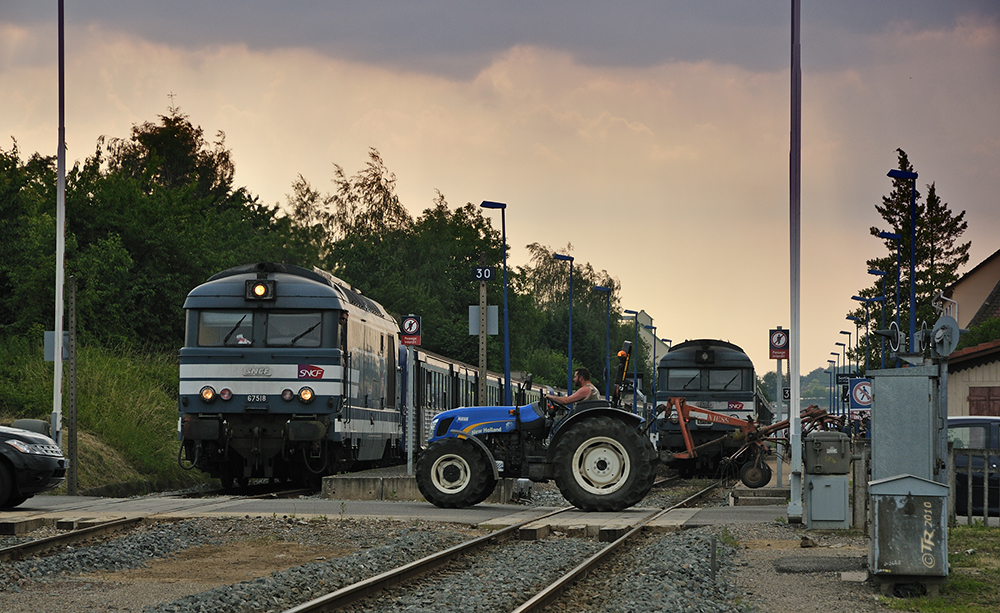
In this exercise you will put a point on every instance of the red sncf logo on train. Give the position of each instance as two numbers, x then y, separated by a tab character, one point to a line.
735	406
307	371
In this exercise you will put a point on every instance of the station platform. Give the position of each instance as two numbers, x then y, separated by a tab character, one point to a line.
50	510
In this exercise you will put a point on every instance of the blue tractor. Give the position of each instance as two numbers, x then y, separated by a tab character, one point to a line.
594	452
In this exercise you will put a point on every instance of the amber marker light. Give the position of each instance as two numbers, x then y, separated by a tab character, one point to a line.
207	393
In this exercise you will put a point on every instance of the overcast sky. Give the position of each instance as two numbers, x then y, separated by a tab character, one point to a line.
653	136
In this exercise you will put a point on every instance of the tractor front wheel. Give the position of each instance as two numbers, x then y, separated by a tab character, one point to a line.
453	473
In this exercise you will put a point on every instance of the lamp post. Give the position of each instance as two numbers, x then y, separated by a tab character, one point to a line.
912	176
830	372
652	386
849	347
486	204
836	396
857	329
881	273
569	361
898	239
607	342
635	362
868	341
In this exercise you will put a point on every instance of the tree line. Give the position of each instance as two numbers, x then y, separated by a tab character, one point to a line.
151	216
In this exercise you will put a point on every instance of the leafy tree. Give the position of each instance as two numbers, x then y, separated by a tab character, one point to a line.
939	255
988	330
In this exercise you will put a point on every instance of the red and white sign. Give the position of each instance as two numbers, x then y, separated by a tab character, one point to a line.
778	341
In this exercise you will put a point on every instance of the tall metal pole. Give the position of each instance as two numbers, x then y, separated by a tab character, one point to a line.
507	400
60	238
795	256
607	341
635	360
569	357
652	388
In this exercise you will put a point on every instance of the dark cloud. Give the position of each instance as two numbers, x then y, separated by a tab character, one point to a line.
457	38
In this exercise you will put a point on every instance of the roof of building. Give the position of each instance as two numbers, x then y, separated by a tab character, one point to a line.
970	357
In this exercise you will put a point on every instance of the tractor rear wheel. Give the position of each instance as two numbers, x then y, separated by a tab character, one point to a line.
453	473
602	464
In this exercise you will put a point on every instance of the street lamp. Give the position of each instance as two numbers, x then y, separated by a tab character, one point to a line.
849	347
486	204
652	388
607	342
899	243
857	333
635	362
830	372
905	174
881	273
868	342
836	395
569	361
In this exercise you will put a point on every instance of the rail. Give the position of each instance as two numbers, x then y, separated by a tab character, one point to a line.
19	551
356	591
349	594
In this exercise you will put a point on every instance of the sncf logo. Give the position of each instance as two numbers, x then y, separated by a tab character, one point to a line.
307	371
735	406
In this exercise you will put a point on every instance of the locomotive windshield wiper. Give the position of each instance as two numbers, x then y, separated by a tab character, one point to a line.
235	328
735	377
308	330
690	381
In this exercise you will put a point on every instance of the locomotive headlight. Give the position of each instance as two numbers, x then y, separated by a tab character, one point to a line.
674	418
287	395
226	393
306	395
260	289
207	393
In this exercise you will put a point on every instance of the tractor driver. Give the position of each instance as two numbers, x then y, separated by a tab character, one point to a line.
585	391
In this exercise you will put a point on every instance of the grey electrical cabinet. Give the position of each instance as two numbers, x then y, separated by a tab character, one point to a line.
910	540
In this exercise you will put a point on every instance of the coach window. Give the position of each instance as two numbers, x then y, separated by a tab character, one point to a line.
225	328
683	379
727	380
294	329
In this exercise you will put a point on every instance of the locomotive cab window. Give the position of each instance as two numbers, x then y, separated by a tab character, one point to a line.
225	328
294	329
683	379
729	380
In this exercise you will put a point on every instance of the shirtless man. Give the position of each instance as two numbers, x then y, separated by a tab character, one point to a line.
586	390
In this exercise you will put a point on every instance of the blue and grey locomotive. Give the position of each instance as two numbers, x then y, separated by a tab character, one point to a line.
710	374
288	374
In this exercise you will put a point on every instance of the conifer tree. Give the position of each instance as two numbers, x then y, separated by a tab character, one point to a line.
939	255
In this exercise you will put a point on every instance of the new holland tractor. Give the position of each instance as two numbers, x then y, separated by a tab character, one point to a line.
595	452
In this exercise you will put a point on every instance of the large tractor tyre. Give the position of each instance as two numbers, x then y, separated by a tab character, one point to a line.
603	464
755	474
452	473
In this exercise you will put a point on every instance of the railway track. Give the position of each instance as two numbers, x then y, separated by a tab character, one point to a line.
551	592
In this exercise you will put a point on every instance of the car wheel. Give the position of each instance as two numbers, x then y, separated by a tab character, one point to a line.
6	486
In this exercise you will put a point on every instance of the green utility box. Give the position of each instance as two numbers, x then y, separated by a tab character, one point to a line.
827	453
